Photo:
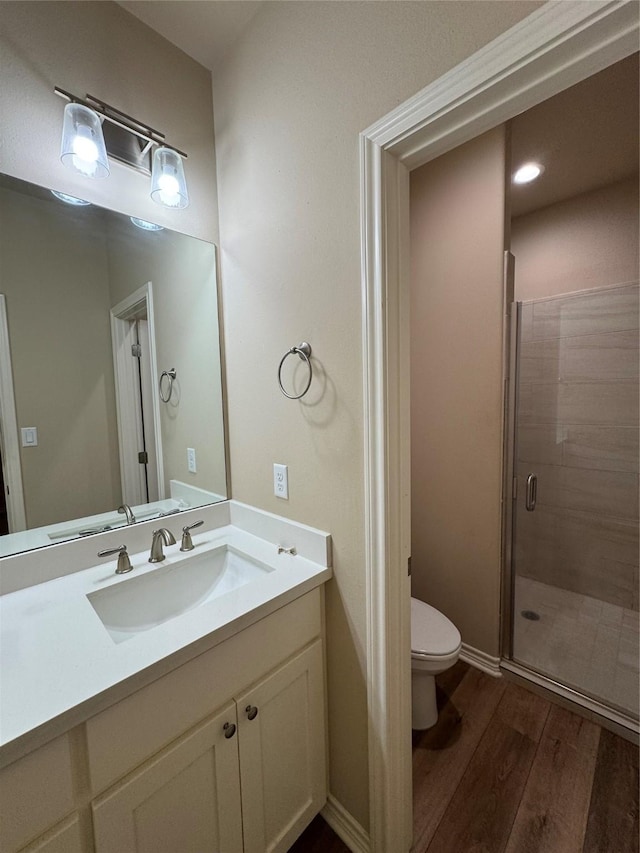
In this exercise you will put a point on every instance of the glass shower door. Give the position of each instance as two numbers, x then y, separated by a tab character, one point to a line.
575	510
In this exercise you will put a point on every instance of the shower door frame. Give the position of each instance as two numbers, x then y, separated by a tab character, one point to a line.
620	721
549	51
509	486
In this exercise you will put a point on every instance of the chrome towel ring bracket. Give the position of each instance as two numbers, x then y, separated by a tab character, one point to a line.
303	350
166	389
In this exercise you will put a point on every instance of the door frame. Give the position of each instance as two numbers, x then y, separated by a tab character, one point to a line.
554	48
9	435
127	389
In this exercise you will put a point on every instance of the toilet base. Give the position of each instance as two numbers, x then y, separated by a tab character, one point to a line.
424	709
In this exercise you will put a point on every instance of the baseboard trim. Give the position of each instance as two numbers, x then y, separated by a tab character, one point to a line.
481	660
346	826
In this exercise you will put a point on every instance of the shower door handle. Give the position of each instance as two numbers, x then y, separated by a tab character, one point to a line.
532	492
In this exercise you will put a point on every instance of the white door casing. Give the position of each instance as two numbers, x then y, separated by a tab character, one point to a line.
127	387
9	437
557	46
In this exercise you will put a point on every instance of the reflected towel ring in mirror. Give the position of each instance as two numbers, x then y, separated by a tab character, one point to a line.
165	395
304	352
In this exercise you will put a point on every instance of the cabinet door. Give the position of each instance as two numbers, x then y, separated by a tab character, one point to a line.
64	838
282	753
185	799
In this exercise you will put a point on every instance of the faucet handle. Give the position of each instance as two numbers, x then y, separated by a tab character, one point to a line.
124	563
187	542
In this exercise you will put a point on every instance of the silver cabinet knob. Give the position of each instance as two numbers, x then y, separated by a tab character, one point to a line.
252	712
229	730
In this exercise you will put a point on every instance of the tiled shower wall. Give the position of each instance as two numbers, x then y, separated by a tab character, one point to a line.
578	432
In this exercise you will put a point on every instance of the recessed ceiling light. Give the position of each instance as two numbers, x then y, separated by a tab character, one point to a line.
70	199
146	226
528	172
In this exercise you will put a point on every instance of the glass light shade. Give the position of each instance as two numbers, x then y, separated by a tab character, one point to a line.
83	148
168	184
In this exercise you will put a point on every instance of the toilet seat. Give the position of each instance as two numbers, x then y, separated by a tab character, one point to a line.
433	636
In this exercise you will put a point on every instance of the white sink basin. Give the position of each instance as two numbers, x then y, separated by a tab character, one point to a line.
141	603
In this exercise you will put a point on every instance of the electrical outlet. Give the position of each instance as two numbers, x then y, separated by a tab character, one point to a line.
191	460
280	481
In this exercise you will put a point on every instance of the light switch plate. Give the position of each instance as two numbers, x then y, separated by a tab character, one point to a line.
29	436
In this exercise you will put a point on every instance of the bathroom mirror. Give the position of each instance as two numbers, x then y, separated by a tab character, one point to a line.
110	375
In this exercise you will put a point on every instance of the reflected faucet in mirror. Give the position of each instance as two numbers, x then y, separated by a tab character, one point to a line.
109	295
126	509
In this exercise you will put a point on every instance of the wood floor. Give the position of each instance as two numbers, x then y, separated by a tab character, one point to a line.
505	771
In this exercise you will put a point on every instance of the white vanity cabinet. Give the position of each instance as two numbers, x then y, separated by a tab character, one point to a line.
225	753
247	779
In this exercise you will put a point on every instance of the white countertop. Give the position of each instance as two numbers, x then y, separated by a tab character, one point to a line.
59	665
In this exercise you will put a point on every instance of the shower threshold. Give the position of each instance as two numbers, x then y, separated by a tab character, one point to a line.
609	718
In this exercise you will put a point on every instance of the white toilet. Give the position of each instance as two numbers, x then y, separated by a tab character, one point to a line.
435	646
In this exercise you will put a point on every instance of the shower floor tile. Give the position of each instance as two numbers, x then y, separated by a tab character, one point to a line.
587	644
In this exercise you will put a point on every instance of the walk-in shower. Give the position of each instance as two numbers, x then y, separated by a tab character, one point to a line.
573	584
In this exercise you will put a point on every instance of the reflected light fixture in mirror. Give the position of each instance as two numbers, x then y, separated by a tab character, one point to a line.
93	131
144	225
70	199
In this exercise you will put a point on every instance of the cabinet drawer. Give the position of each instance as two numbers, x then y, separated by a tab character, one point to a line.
35	793
123	736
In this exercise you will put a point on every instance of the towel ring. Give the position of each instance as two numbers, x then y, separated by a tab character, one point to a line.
171	375
304	352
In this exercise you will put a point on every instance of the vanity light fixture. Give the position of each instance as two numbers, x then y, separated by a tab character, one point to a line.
94	132
70	199
527	173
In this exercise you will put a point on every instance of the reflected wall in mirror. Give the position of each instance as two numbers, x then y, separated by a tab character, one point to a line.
93	309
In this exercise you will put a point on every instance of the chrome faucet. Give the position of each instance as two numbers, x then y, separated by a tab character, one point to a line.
160	536
126	509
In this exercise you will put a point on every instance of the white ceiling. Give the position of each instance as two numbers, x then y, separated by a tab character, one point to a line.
203	29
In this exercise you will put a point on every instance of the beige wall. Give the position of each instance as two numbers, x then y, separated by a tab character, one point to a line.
57	292
183	274
290	100
587	241
101	49
457	241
